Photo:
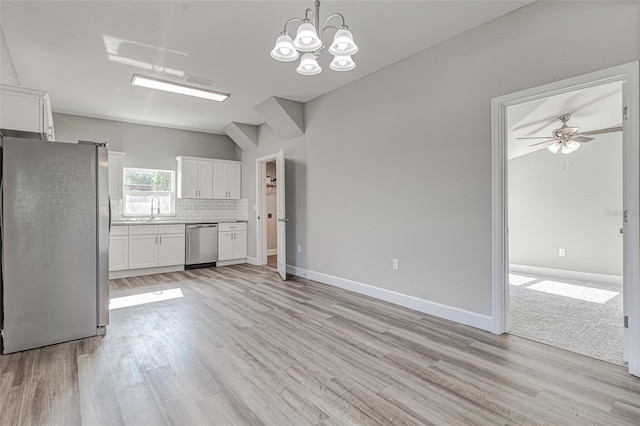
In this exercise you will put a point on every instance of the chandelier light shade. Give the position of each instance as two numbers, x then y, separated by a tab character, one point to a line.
342	63
309	65
284	50
308	40
343	44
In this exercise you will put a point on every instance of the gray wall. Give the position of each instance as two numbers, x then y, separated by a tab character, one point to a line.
568	201
272	207
145	146
7	71
397	164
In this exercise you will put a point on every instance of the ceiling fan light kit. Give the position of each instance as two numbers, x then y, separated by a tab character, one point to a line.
567	139
309	41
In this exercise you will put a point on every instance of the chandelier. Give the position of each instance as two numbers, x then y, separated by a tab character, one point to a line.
309	41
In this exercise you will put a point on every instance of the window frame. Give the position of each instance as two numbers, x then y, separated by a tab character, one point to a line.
171	194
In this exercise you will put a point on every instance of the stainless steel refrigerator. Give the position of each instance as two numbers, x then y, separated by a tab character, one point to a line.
55	242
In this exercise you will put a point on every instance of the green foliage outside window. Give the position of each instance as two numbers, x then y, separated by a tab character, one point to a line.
148	180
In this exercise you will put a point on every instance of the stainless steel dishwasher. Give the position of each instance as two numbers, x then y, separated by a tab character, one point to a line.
201	245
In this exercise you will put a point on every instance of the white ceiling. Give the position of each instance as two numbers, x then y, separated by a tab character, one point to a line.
594	108
63	47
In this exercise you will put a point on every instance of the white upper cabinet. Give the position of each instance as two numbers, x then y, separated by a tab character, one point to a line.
26	110
116	167
195	178
226	180
208	178
205	179
187	178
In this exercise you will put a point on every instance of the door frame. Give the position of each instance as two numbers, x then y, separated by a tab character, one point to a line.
629	74
261	207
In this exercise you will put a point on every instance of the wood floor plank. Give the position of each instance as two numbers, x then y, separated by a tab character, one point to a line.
242	347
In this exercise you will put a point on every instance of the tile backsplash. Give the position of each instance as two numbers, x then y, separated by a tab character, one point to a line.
200	210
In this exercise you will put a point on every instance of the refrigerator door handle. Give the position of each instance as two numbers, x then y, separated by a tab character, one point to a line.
109	201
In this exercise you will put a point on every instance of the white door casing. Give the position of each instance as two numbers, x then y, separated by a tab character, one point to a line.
628	74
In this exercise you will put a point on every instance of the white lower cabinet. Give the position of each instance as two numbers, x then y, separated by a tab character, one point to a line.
151	246
225	245
118	252
145	246
171	249
232	241
143	251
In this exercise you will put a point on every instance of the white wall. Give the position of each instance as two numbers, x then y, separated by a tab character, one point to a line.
7	71
397	164
272	208
145	146
568	201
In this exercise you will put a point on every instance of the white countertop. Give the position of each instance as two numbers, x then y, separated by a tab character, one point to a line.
168	222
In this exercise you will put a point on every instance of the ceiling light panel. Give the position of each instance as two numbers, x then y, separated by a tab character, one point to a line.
167	86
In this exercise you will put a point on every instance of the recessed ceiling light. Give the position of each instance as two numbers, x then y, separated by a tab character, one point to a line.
167	86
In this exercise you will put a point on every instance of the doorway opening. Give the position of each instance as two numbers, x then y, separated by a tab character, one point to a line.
270	212
271	189
627	76
565	200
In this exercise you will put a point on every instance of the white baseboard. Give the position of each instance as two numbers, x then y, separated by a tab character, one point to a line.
146	271
272	252
252	260
451	313
230	262
561	273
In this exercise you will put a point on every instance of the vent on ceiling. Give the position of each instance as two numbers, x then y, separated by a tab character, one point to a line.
192	79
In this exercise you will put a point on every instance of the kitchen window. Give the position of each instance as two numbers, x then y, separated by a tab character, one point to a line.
149	192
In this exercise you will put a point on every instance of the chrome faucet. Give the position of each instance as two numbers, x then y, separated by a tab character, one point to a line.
157	208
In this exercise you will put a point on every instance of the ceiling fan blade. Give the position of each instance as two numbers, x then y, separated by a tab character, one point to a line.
581	139
540	143
601	131
536	137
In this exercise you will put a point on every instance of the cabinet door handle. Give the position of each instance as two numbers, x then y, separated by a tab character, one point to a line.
156	240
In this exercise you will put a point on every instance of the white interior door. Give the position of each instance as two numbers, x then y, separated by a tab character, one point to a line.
631	230
282	218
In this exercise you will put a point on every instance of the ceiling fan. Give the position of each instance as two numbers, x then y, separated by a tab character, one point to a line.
567	139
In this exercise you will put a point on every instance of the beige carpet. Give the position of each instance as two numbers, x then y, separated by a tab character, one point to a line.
580	316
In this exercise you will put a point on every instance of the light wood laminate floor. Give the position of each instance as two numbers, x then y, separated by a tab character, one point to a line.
243	347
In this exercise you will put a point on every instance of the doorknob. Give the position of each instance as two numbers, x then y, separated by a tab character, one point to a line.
283	220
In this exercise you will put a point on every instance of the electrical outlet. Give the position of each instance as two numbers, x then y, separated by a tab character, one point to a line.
561	252
395	264
299	248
